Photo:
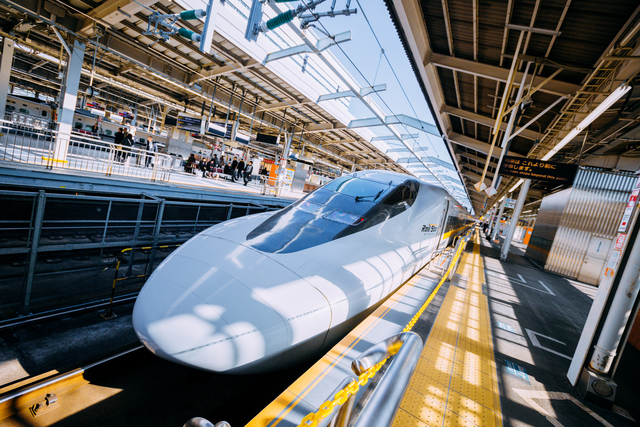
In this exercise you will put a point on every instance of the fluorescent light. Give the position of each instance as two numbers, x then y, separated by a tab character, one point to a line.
516	186
604	106
501	199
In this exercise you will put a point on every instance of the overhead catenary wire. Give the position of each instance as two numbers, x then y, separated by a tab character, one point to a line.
387	106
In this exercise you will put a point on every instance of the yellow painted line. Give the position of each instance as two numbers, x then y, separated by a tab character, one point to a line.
456	380
277	410
49	159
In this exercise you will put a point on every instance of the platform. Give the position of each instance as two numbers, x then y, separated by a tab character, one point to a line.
498	341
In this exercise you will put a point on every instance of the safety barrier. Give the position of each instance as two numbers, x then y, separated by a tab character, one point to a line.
58	251
79	151
271	185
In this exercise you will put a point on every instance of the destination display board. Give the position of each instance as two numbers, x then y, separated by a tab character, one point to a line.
521	167
191	124
219	130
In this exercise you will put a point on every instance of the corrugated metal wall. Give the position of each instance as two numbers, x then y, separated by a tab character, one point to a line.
595	207
547	222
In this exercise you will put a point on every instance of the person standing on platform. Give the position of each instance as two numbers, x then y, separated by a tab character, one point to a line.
247	172
118	141
227	169
240	169
152	148
95	128
234	166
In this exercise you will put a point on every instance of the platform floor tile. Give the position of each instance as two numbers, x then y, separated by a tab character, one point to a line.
455	382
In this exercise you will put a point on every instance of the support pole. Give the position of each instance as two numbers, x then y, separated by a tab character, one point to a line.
506	139
68	101
5	72
33	252
618	316
156	236
496	223
524	189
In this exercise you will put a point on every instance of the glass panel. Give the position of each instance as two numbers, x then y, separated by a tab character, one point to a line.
309	207
344	217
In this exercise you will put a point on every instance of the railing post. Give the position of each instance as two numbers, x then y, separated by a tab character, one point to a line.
135	235
33	252
229	212
156	236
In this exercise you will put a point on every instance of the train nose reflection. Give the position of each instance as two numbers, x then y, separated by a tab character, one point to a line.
190	312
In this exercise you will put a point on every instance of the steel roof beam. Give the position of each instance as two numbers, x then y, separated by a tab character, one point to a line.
485	120
222	71
500	74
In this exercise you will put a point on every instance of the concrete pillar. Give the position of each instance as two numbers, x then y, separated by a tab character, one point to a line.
68	100
514	219
619	313
496	224
135	117
5	72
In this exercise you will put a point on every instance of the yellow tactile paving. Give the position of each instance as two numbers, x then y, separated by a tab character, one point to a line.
456	382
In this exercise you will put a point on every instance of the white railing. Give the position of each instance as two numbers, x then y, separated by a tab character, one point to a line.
79	151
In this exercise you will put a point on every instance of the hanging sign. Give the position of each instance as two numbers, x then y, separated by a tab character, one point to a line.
521	167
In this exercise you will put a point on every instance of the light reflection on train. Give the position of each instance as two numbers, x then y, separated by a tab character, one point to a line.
265	291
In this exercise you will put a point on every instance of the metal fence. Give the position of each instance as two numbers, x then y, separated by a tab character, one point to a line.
59	251
27	143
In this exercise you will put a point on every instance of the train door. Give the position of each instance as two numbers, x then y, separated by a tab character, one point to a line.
441	226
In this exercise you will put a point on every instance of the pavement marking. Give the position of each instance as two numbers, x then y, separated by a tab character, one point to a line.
505	326
546	287
516	370
522	278
536	343
515	281
529	395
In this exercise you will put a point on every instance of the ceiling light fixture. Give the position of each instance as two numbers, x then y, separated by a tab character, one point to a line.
604	106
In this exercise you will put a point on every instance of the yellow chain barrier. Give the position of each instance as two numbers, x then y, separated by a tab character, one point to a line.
352	388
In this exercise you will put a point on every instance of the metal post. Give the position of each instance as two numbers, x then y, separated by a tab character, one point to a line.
33	252
135	235
506	139
156	236
68	101
253	116
524	189
5	72
619	313
226	119
496	224
230	210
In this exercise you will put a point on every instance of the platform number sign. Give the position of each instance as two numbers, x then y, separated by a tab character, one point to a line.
431	228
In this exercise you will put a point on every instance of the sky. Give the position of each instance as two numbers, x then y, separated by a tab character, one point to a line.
362	58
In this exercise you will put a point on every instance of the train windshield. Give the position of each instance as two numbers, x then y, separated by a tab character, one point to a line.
344	206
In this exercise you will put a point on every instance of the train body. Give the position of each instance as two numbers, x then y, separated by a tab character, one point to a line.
265	291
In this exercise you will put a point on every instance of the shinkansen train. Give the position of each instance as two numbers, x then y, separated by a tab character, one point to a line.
266	291
35	113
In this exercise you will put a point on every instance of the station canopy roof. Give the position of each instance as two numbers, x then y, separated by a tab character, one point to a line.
133	70
462	52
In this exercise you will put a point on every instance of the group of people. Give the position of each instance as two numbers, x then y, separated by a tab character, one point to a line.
125	139
211	167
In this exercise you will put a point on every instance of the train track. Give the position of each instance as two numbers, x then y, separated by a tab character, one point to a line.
134	387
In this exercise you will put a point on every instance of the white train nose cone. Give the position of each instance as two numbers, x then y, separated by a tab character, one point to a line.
195	314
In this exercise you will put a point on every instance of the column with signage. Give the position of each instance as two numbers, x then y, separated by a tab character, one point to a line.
527	170
619	313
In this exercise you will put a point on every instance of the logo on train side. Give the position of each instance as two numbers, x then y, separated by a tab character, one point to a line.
431	228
